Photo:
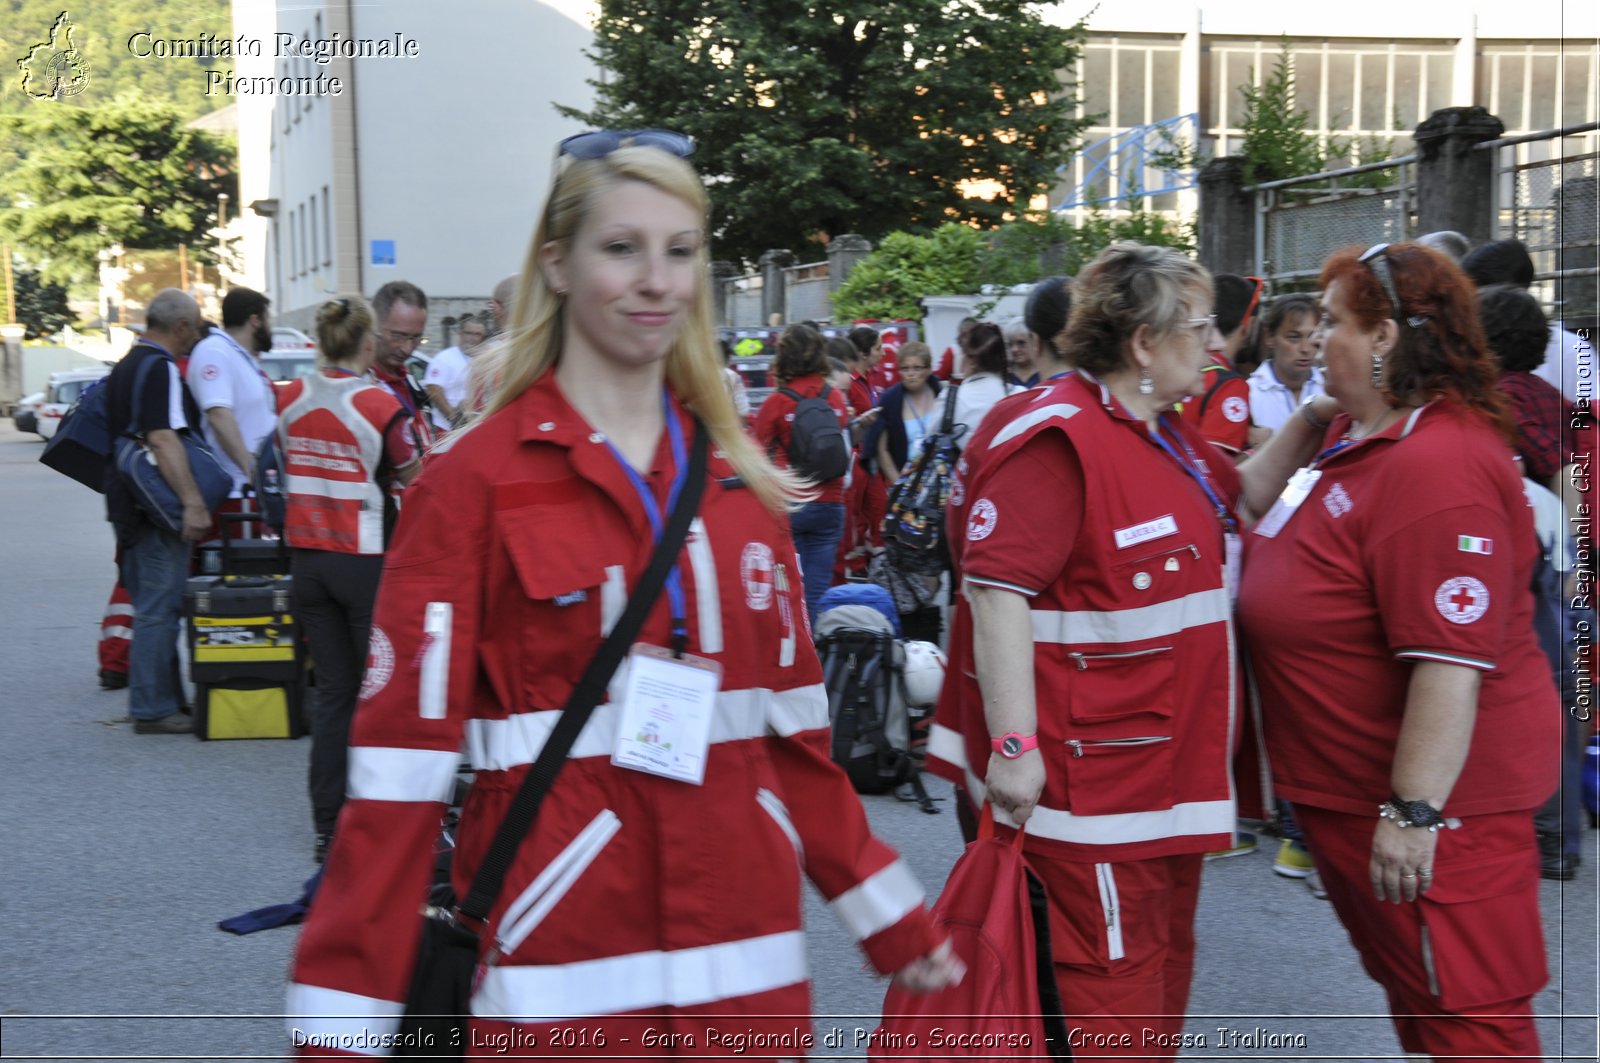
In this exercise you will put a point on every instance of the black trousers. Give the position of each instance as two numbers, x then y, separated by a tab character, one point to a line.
333	598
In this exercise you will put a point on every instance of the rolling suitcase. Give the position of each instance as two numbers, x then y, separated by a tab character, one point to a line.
245	654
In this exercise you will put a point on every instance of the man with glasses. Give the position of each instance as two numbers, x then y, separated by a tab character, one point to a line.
446	379
401	310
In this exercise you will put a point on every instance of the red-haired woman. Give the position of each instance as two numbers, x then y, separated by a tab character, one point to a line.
1409	714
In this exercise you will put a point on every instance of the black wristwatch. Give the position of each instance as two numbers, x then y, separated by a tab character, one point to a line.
1411	813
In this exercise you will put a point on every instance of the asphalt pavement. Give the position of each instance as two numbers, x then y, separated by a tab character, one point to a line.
122	852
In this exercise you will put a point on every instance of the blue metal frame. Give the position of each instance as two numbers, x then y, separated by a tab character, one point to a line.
1132	149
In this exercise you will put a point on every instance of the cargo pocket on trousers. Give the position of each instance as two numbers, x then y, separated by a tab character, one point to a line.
1482	939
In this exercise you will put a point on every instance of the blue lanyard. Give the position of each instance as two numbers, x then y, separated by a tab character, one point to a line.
680	611
1192	467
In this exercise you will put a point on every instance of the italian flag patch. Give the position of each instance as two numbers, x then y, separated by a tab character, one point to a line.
1469	544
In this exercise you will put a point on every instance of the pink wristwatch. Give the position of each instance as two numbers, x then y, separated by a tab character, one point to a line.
1012	745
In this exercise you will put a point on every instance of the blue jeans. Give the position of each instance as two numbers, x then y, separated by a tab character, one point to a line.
154	566
816	527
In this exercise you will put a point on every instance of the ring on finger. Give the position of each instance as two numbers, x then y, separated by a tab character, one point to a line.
1408	876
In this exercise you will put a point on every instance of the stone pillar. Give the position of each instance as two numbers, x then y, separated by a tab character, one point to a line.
774	304
1455	184
845	251
721	273
10	366
1227	218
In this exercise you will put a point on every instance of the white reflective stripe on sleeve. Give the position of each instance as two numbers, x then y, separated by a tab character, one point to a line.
116	631
707	597
613	598
775	808
322	487
879	902
329	1018
1131	625
558	877
499	745
119	609
614	984
1110	907
947	745
1025	421
386	773
433	686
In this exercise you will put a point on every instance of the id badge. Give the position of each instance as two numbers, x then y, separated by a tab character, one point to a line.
1295	492
667	708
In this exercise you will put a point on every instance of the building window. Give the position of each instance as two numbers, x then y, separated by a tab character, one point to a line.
316	259
327	228
294	247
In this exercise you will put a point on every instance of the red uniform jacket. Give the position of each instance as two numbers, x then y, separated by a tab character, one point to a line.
635	895
1134	663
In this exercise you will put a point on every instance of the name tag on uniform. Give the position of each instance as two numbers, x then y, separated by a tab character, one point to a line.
1159	528
667	708
1295	492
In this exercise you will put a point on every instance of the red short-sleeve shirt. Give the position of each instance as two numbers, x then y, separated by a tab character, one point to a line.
1415	545
1222	413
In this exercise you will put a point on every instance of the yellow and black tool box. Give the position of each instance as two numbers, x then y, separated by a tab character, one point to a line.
245	656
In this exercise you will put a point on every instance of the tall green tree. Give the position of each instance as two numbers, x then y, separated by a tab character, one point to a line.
865	116
41	307
126	172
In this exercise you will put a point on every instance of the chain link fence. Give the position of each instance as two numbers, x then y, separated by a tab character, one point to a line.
1300	221
1545	187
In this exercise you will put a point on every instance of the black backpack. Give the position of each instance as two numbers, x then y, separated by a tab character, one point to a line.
913	523
863	670
817	446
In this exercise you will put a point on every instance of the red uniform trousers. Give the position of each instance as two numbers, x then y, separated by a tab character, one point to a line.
865	503
1462	963
1122	937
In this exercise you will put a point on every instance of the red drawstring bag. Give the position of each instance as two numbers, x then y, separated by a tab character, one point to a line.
1007	1006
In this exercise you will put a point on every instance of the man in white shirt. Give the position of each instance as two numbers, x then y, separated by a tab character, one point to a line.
231	389
446	379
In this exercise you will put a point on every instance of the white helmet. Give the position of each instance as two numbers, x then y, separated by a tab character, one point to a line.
924	672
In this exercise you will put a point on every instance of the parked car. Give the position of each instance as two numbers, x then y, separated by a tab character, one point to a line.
61	393
26	415
285	338
286	364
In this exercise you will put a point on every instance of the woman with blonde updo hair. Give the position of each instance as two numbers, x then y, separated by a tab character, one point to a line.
643	897
344	447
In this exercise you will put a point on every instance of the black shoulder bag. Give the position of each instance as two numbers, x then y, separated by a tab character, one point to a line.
437	1008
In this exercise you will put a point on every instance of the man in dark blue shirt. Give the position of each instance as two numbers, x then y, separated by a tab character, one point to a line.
155	561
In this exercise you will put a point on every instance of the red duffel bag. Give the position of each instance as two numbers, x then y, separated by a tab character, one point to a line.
1007	1006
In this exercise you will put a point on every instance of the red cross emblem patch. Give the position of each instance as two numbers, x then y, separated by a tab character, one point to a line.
981	521
1461	600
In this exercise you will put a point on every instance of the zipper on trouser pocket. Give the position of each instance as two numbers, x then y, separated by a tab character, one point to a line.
1082	659
553	883
433	686
1077	744
1106	877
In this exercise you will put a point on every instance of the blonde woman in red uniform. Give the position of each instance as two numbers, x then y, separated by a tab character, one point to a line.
641	901
345	444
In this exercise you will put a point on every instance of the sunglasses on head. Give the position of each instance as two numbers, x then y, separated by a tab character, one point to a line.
599	143
1377	261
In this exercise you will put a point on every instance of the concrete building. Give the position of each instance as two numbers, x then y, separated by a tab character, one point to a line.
1367	71
422	157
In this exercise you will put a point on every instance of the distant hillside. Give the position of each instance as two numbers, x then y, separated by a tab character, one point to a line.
101	31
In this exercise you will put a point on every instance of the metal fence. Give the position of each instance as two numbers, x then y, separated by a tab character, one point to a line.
806	296
1544	191
1299	221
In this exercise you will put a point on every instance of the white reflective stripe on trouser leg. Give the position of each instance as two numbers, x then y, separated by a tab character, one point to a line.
879	902
615	984
329	1018
384	773
1110	906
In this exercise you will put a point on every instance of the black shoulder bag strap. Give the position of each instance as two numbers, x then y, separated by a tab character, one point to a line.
947	423
588	691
